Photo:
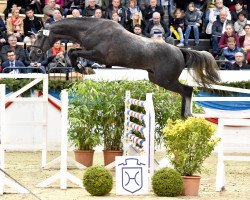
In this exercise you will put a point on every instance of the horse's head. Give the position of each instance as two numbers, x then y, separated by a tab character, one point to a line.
41	45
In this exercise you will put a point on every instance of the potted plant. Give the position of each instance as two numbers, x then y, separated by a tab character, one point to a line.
188	143
83	131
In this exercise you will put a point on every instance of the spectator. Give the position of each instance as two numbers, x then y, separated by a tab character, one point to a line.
138	30
177	26
245	39
49	9
240	23
238	8
70	5
90	10
36	5
116	7
132	8
239	62
19	4
218	29
157	28
192	20
98	13
228	33
153	7
215	12
2	25
57	16
57	57
19	51
228	53
135	20
76	13
58	2
32	24
13	62
115	17
82	62
2	39
15	25
99	3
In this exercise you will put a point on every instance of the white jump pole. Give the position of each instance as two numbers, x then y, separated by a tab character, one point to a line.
63	175
4	180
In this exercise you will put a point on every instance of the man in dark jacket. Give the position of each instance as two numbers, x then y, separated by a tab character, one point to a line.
89	11
153	7
31	24
217	31
116	7
158	29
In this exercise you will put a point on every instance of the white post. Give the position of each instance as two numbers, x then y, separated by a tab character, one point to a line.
45	119
64	139
2	133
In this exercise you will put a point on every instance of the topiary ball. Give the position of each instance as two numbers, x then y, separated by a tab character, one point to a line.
97	180
167	182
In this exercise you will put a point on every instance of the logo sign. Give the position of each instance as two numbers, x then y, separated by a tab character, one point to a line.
46	32
131	175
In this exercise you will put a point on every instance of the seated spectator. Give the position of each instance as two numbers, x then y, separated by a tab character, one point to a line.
57	16
76	13
99	3
82	62
135	20
41	63
70	5
239	63
2	39
138	30
2	25
131	9
32	24
228	33
90	10
13	4
36	5
240	23
116	7
238	8
153	7
57	57
158	29
19	51
218	29
245	39
115	17
13	62
228	53
215	12
192	21
15	25
98	13
49	9
177	26
58	2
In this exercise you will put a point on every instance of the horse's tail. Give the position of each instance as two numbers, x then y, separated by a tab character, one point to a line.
204	66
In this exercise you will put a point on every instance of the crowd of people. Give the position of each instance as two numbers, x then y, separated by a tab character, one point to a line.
226	22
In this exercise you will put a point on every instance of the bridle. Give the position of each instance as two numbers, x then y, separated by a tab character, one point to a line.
39	50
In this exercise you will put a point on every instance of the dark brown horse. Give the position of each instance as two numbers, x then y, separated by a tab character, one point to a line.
107	42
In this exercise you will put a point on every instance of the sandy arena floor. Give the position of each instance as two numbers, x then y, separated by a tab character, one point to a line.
25	168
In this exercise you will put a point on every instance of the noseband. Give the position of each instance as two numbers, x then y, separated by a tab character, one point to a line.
39	50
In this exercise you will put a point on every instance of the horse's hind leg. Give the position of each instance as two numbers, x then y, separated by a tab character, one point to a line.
186	93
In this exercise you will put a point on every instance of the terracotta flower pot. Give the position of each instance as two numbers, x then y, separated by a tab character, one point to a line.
109	156
84	157
191	185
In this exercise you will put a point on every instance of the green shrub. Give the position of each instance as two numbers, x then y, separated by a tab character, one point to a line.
167	182
98	181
